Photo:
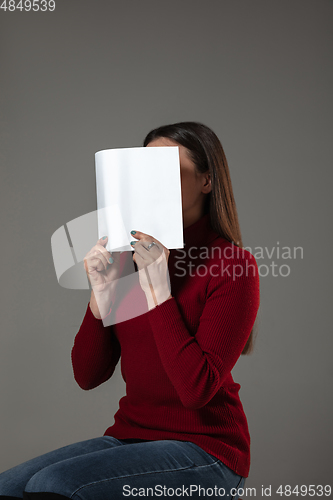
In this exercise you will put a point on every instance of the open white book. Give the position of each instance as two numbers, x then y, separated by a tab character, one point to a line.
139	189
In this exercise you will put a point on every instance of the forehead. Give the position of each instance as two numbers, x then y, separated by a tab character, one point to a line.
163	141
183	152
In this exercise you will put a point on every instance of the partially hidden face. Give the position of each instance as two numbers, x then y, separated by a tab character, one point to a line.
193	184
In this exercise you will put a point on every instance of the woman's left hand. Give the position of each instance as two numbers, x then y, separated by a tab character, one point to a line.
152	262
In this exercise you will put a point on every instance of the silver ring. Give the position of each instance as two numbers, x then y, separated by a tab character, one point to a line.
150	245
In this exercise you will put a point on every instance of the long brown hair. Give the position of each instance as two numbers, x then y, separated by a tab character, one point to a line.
206	151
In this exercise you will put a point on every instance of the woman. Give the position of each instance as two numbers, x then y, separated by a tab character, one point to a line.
181	429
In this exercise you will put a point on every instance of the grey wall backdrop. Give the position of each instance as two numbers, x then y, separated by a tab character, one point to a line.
96	75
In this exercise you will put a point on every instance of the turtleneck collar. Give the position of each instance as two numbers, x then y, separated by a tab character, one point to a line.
200	233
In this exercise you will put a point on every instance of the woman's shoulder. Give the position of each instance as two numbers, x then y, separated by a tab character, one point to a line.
225	261
220	248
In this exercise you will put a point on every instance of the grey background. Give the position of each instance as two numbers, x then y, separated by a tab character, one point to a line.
96	75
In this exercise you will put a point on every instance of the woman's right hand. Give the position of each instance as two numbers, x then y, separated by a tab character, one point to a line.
103	274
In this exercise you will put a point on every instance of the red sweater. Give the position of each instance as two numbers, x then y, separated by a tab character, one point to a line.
176	359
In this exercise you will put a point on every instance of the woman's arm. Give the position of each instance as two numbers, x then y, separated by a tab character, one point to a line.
95	353
96	349
198	365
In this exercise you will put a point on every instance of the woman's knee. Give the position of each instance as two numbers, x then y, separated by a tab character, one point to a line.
49	483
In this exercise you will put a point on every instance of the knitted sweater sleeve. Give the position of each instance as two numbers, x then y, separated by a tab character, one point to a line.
95	353
198	365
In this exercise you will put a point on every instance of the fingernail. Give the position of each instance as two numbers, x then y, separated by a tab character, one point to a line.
133	242
133	232
104	237
111	260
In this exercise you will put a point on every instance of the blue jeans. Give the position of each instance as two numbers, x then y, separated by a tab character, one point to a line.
107	468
